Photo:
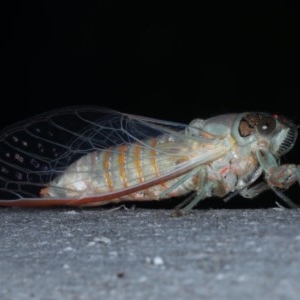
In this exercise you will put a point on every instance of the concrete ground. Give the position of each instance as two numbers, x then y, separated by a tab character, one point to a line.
145	253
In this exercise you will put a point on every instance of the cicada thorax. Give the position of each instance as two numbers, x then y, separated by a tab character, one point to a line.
121	167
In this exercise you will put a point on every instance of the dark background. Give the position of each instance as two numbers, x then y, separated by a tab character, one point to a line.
168	61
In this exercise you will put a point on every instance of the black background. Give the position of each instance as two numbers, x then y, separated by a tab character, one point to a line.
168	61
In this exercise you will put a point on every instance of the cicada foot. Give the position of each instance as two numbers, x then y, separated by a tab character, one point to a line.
180	209
177	213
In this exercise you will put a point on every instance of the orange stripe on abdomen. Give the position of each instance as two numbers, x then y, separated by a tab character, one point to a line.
122	161
106	167
153	156
137	160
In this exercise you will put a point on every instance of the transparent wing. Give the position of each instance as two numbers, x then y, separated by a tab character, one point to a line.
35	151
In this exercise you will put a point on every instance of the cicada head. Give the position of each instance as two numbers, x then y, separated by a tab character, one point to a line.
274	133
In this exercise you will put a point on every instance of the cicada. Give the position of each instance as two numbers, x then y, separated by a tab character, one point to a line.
90	156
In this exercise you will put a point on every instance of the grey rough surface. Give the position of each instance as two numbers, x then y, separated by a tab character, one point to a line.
148	254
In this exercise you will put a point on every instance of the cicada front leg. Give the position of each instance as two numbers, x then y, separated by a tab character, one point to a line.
279	176
283	176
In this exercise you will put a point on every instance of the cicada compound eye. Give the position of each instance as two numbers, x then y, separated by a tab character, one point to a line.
266	125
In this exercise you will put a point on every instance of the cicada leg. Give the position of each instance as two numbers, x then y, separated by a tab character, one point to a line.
178	183
203	190
279	176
